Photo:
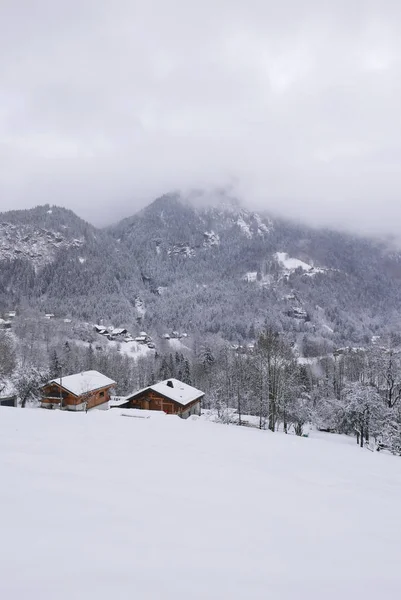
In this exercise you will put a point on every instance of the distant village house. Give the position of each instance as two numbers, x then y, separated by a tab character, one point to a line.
101	330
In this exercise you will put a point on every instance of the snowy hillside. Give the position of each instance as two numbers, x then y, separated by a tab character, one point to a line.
37	245
106	506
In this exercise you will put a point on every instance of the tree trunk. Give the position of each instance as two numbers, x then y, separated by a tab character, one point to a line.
272	414
299	429
239	405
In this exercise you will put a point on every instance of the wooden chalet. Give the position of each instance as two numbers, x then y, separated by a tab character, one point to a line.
171	396
83	391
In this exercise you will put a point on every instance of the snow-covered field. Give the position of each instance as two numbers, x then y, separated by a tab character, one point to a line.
104	506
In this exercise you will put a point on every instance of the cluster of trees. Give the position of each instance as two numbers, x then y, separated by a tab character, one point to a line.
354	391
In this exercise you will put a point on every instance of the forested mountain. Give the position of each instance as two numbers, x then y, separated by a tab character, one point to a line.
52	260
228	271
205	269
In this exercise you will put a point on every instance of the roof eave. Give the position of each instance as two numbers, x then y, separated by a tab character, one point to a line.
129	398
102	387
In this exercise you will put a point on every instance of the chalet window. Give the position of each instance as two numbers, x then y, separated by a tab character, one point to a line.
101	394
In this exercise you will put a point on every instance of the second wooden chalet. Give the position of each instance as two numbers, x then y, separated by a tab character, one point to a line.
171	396
83	391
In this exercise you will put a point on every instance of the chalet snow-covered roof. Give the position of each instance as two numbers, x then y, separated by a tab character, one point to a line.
82	383
118	331
118	400
175	390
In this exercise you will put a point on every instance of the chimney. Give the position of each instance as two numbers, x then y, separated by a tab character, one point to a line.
170	383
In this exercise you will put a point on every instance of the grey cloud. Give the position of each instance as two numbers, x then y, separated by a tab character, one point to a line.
104	105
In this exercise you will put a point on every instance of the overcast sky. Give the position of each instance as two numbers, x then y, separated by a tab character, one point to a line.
295	105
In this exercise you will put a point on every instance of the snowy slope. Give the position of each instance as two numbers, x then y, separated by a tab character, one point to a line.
290	264
102	506
37	245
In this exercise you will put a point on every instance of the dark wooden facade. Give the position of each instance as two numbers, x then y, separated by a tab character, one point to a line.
151	400
8	401
51	397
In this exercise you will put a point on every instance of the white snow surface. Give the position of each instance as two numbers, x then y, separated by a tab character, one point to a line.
262	227
82	383
211	239
244	227
177	345
117	400
103	506
7	388
134	349
251	276
291	263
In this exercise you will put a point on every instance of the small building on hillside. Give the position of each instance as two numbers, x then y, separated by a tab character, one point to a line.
8	400
83	391
118	332
171	396
115	334
8	394
101	330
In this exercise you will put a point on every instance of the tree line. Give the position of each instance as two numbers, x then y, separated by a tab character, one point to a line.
354	391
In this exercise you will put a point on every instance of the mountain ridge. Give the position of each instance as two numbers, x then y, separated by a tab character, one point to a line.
213	270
